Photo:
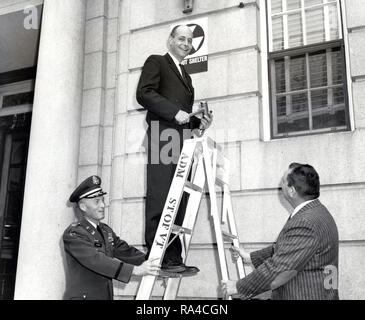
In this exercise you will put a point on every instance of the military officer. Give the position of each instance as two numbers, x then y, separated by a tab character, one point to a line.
94	253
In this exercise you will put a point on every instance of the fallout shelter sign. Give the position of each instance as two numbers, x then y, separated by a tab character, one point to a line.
197	60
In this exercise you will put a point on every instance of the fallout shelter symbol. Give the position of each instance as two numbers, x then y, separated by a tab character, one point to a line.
198	37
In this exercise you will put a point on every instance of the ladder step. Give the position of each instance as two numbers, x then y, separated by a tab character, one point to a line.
229	236
179	229
192	186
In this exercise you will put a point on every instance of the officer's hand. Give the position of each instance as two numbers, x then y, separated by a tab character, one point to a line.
238	252
182	117
149	267
228	287
206	121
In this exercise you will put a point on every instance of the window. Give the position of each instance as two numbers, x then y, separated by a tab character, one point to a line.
307	71
16	97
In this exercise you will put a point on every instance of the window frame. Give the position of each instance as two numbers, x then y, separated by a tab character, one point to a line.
14	88
267	124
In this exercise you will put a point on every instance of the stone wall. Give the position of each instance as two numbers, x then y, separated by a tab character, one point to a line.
120	35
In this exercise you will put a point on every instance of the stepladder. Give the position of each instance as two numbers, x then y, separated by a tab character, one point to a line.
202	168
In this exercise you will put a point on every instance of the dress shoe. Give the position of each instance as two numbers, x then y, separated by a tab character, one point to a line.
189	271
174	270
173	267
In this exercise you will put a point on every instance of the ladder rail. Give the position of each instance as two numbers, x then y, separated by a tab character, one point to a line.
168	216
233	229
214	212
189	223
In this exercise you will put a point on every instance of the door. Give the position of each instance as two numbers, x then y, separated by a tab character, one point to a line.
14	140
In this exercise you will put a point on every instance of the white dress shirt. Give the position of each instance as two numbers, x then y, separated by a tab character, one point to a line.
300	206
177	63
92	223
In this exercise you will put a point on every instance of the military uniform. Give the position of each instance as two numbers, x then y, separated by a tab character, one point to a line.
95	257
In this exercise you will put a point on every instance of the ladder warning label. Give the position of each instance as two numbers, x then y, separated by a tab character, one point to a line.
167	219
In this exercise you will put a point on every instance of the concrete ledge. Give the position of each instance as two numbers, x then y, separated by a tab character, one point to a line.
338	158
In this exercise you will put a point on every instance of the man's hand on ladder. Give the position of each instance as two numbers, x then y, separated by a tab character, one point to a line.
238	252
205	123
149	267
228	288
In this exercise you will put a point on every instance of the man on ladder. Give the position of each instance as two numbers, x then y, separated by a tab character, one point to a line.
165	90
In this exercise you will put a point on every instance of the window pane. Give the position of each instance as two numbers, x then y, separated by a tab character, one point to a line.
295	30
333	20
308	3
299	103
280	75
18	151
338	96
298	120
15	179
315	25
276	6
281	106
14	208
327	120
318	69
298	79
277	33
18	99
337	66
292	4
319	99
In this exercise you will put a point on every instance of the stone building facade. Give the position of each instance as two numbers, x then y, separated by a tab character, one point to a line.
86	120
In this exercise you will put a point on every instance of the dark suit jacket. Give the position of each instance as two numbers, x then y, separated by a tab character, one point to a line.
163	92
94	260
305	246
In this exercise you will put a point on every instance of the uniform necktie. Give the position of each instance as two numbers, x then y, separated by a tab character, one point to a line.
100	231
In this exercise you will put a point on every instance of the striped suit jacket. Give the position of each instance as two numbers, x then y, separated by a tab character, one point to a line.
294	267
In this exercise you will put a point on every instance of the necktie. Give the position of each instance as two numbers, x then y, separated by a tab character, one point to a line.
100	231
184	77
182	71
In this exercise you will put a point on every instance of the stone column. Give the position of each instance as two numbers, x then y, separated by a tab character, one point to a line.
53	151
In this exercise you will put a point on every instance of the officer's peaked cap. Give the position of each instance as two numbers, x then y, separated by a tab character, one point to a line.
89	188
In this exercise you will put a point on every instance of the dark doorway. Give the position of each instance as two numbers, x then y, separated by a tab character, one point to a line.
19	44
14	141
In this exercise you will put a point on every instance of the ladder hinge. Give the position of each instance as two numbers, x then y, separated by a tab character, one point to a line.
179	229
192	186
228	236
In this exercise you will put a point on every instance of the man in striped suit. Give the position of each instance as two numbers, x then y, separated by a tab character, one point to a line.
301	263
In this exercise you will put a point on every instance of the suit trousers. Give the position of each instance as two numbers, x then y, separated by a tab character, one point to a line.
159	178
